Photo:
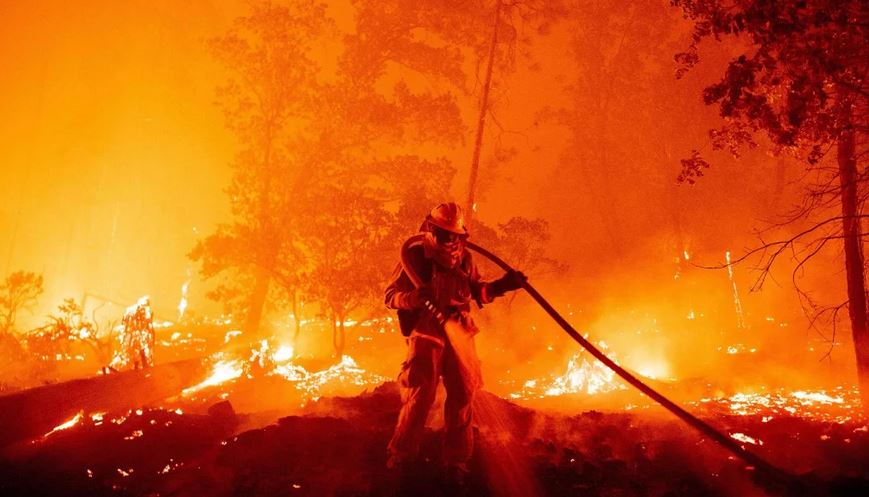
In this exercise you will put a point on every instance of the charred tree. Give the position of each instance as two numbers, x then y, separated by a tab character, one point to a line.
470	206
852	238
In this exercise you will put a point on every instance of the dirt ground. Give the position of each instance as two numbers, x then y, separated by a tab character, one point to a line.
336	447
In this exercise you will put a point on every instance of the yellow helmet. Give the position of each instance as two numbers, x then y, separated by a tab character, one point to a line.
450	217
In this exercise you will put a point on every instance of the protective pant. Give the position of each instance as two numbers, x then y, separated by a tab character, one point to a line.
427	360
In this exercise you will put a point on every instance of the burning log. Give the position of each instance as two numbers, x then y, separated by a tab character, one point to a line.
31	413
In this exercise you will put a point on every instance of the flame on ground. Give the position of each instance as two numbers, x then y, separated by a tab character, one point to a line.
742	437
581	377
66	424
266	360
223	371
346	372
839	406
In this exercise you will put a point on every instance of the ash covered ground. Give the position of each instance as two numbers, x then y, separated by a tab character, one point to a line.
335	446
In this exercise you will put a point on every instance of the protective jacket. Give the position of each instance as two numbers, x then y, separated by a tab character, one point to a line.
452	290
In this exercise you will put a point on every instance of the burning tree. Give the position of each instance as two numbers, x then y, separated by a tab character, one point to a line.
800	81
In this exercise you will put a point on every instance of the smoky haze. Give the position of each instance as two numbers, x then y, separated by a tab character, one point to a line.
114	162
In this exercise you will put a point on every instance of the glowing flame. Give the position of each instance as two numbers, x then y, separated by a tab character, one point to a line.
746	439
182	305
136	337
808	398
223	371
581	376
346	372
838	407
66	424
268	359
283	354
654	371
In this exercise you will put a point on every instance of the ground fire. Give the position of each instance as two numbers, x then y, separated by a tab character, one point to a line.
385	248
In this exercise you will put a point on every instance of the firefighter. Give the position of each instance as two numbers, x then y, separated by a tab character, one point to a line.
450	282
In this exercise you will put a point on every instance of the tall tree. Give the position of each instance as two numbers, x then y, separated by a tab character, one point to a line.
471	203
470	45
507	20
347	242
376	157
800	80
269	95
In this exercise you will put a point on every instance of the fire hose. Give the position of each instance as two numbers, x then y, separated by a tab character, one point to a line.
703	427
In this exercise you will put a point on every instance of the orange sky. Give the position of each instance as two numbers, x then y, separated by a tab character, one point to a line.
111	151
112	154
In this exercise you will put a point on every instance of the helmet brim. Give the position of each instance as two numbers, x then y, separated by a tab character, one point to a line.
459	230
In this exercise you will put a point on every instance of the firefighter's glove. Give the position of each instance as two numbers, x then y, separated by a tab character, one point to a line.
512	280
417	298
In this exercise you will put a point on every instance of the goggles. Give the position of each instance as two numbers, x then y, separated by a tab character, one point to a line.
444	237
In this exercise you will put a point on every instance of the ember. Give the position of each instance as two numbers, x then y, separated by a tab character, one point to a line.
841	405
581	377
345	373
66	424
224	370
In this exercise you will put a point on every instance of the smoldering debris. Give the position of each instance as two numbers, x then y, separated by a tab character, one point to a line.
336	447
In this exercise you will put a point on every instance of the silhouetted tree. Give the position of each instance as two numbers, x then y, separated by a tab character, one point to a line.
363	131
271	91
801	81
18	292
471	46
508	18
347	243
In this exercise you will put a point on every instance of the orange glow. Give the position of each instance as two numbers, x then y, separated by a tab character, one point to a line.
66	424
136	154
839	406
223	371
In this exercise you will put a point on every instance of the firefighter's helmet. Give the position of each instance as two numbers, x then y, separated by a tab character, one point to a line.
450	217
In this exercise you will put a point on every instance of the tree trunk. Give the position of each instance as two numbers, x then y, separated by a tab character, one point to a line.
337	335
298	328
481	121
342	339
256	302
854	268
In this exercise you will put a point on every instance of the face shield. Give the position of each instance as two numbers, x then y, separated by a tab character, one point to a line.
445	247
